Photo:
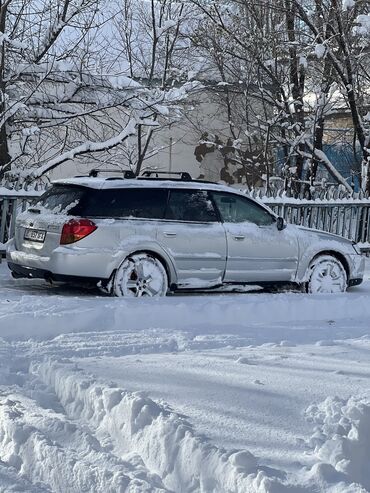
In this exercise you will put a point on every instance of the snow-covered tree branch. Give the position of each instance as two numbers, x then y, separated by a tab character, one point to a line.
285	69
74	73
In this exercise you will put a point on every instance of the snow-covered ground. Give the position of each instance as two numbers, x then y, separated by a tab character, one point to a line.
234	392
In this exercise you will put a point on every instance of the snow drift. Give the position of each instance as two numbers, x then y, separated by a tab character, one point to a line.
166	442
342	439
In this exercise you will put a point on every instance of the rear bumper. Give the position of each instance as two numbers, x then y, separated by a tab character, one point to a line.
64	263
35	273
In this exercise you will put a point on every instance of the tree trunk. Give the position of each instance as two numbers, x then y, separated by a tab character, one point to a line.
4	150
297	79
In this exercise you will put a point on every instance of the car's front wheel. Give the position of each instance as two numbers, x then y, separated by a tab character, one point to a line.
326	274
140	275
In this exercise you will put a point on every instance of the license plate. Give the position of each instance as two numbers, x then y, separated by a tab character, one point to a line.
35	235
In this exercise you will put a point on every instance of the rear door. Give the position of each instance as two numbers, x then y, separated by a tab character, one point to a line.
257	250
194	237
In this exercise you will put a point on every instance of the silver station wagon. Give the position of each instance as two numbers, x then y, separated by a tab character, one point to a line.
148	236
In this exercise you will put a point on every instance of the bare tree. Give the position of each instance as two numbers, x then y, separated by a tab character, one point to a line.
67	91
152	38
334	29
300	60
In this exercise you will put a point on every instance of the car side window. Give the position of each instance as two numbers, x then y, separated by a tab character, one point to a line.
236	209
145	203
190	205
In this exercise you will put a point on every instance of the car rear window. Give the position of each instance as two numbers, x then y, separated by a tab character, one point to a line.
62	199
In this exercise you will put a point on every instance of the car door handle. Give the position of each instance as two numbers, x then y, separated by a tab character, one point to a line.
239	237
169	234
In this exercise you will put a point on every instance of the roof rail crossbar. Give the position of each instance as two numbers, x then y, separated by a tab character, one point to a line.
127	174
182	175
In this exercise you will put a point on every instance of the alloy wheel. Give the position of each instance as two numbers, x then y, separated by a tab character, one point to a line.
327	275
140	275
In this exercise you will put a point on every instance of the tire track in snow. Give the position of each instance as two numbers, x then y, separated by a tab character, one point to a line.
118	343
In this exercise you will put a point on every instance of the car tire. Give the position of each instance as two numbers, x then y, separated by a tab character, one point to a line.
140	275
326	274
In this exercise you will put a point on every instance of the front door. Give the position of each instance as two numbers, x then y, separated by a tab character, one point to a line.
257	250
194	238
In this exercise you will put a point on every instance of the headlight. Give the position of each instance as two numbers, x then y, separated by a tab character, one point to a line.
356	248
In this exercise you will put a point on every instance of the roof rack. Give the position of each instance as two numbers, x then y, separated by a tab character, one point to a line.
127	174
182	175
149	175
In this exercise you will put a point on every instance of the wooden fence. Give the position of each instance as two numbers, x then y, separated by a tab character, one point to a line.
346	217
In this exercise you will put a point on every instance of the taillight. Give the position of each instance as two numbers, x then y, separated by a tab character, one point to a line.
76	229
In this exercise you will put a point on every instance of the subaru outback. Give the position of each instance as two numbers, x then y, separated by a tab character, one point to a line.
146	237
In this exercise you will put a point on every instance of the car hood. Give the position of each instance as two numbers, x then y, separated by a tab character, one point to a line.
325	235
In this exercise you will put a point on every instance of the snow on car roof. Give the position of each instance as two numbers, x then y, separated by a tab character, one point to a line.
104	183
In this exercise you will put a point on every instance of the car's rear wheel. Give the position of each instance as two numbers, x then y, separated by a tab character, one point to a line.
140	275
326	274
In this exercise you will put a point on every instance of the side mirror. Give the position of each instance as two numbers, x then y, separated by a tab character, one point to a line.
280	223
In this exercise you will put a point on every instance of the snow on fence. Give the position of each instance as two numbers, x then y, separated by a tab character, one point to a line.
348	217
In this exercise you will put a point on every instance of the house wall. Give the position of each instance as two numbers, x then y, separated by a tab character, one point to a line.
177	144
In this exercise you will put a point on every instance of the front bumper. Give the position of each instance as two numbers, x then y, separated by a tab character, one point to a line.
355	282
357	269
